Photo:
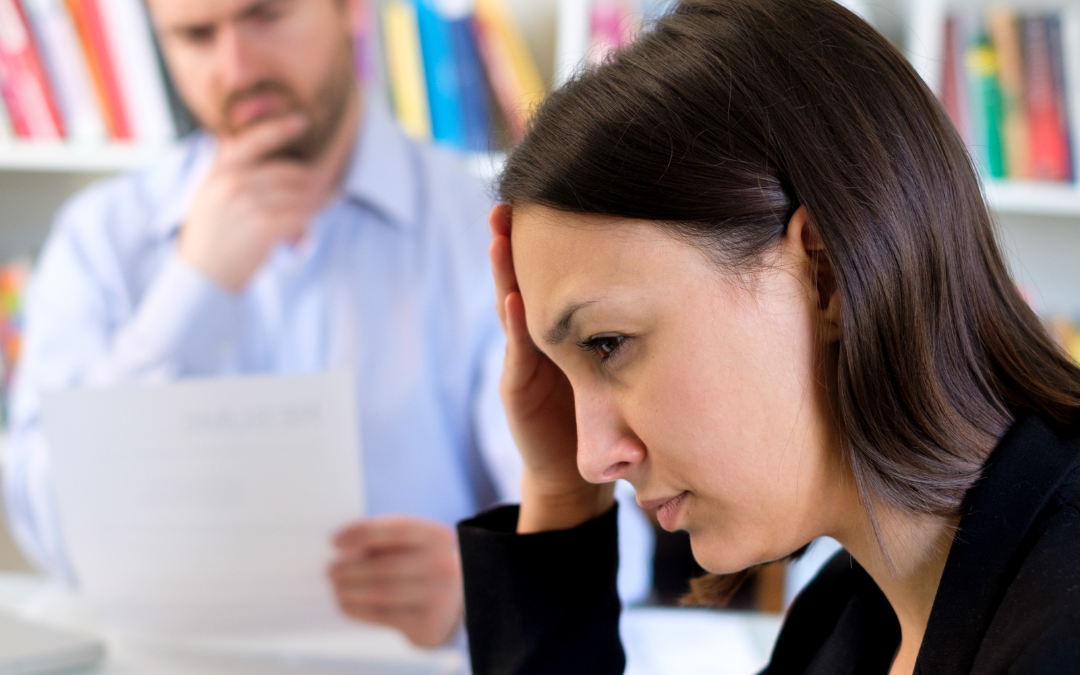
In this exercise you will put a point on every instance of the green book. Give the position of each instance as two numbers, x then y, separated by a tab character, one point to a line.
987	110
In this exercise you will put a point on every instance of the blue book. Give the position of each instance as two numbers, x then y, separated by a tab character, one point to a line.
441	73
475	98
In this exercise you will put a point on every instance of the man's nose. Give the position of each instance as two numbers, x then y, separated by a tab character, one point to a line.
608	449
236	59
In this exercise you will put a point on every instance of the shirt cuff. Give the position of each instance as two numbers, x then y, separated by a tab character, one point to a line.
186	325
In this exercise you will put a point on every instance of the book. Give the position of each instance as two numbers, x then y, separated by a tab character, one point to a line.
610	23
6	132
96	50
441	75
511	70
1015	135
1070	40
13	276
980	62
475	100
953	91
1049	139
1061	91
67	69
368	50
405	68
140	81
25	87
572	35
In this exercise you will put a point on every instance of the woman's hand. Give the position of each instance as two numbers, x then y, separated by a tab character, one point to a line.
540	408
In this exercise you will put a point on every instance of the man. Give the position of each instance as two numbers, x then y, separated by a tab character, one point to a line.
302	232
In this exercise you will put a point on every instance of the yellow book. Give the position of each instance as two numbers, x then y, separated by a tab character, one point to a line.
506	53
405	67
1005	36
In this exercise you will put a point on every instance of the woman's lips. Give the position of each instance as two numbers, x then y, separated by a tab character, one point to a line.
667	514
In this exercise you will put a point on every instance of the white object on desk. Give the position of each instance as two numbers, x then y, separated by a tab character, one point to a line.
358	650
30	649
207	507
657	641
667	641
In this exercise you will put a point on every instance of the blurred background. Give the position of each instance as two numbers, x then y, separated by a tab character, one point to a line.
78	104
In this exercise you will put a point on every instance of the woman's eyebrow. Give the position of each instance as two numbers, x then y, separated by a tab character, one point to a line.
561	329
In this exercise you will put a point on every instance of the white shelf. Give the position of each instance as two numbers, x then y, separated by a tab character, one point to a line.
1045	199
76	158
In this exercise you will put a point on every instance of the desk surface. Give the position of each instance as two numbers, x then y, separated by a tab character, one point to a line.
658	642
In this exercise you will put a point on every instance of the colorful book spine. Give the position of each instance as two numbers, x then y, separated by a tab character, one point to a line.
6	132
12	286
475	102
609	29
99	57
1070	41
405	68
1049	139
441	75
141	85
953	91
1016	136
67	69
368	49
510	68
25	86
1054	35
980	61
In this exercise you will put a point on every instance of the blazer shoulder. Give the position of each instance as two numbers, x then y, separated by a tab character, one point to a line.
1038	620
1055	652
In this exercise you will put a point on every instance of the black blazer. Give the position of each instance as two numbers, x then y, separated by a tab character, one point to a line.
1008	602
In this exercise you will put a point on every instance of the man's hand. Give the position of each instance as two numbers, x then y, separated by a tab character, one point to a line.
251	201
401	572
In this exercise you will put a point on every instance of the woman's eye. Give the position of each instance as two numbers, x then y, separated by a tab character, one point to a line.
603	345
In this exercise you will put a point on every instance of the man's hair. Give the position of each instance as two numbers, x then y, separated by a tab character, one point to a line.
724	118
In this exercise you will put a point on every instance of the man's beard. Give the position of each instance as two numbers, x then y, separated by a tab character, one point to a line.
325	112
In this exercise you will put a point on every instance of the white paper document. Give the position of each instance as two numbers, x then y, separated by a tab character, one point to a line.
207	507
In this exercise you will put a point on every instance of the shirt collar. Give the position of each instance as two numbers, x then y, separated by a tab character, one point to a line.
382	173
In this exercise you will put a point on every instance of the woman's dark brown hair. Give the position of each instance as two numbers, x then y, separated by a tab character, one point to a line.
724	118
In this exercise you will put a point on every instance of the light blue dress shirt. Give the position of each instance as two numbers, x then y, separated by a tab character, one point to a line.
392	282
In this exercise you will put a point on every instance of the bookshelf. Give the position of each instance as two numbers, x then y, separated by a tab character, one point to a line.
34	177
924	42
44	157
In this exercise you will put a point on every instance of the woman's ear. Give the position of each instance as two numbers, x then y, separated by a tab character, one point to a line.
822	273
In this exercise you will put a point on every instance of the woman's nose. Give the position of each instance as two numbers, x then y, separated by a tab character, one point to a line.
607	448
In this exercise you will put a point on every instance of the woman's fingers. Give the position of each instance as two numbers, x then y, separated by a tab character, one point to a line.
502	261
499	250
521	356
499	220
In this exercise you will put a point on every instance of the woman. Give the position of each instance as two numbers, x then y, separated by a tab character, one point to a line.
750	257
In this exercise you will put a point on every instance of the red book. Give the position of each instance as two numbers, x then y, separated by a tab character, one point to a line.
23	82
99	56
1049	141
952	82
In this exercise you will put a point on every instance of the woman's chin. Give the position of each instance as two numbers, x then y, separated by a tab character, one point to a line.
723	555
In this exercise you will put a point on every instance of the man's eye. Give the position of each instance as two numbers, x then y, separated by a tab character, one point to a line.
198	35
603	345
